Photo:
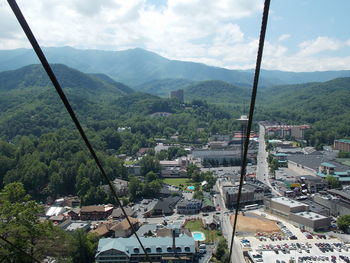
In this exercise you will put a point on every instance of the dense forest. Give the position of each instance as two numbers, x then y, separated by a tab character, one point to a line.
41	148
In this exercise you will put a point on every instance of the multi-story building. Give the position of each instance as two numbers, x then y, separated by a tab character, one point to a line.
95	212
160	249
251	194
189	207
297	213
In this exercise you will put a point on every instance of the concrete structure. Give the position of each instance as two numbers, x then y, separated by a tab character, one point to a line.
189	207
342	145
337	206
311	221
298	213
250	194
161	249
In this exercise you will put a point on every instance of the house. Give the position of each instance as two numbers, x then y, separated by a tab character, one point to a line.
74	213
189	207
95	212
123	228
161	249
117	213
164	206
73	225
104	229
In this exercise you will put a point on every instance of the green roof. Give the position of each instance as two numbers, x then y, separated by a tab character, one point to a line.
344	140
344	179
328	165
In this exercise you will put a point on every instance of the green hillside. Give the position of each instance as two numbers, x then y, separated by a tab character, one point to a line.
324	105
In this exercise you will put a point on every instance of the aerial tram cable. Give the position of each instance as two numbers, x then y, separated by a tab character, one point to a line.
251	114
16	10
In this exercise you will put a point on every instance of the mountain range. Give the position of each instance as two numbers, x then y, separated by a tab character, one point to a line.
144	70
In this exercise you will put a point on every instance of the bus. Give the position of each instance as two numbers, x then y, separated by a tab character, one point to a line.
251	207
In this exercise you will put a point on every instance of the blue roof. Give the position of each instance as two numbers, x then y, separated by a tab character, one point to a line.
325	175
328	165
153	245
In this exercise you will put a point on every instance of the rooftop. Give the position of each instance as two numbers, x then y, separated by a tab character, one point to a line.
311	215
287	202
153	245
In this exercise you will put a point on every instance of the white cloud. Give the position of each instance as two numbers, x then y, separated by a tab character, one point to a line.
284	37
318	45
193	30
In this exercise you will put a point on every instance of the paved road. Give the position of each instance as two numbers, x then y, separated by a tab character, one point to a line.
262	171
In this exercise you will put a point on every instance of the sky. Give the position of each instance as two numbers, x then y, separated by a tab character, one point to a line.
302	35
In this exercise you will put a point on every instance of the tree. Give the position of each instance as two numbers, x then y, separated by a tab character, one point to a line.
221	249
149	163
332	181
84	245
20	224
343	222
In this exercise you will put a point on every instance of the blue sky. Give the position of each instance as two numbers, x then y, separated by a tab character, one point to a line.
302	35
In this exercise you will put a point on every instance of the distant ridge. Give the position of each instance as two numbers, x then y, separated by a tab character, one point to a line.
135	67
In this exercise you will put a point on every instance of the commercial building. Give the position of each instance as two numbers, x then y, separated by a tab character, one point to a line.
297	213
189	207
95	212
251	194
160	249
287	131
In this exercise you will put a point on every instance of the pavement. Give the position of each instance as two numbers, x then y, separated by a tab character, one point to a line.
262	170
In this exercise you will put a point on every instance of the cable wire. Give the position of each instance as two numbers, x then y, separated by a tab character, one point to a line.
251	114
16	10
19	249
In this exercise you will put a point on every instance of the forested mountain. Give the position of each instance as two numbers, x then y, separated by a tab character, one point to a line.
138	67
163	87
40	147
216	91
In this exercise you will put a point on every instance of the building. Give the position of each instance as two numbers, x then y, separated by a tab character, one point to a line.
251	194
319	165
160	249
342	145
287	131
121	186
189	207
312	184
337	206
207	204
222	157
311	221
123	228
164	206
95	212
297	213
281	159
175	168
117	213
178	95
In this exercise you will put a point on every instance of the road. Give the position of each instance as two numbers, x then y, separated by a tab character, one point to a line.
262	171
226	227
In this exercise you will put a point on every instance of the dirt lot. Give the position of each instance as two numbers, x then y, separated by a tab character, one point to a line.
254	224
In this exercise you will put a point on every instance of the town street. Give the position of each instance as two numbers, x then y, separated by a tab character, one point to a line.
262	170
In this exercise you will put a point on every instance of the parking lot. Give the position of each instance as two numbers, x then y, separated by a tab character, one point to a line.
303	247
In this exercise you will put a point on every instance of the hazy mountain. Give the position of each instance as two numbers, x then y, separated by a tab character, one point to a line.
132	67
